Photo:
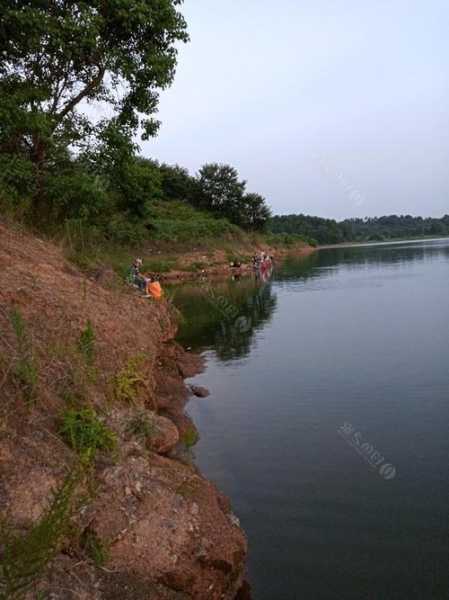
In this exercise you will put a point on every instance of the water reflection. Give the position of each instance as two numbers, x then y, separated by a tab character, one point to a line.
224	315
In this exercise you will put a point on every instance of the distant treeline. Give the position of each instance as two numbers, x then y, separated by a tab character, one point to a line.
329	231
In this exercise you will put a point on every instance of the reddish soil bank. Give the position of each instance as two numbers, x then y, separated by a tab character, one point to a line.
165	532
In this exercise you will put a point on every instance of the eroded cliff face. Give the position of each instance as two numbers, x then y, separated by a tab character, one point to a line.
142	524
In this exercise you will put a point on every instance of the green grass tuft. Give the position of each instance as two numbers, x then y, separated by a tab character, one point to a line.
85	433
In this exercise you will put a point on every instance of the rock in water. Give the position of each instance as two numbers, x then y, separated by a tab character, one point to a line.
199	391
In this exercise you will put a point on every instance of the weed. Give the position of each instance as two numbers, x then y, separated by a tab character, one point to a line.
94	547
86	343
128	380
85	433
24	558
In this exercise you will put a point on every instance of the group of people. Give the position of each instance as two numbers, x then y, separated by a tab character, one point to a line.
149	285
262	261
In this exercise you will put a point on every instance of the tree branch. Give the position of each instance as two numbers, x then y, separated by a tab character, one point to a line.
96	81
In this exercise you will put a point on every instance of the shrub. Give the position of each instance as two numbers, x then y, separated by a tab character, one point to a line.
85	433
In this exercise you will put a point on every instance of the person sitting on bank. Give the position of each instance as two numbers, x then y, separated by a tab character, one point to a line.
135	277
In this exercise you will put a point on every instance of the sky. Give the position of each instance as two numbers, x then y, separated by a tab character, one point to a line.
335	108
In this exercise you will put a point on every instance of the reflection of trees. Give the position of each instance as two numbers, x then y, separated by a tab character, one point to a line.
224	316
388	254
394	255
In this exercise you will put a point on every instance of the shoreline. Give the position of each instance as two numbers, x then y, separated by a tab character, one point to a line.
222	269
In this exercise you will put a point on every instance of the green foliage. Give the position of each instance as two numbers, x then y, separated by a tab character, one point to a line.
53	60
129	379
24	558
85	433
253	212
95	548
221	192
86	344
328	231
178	184
25	369
179	222
141	426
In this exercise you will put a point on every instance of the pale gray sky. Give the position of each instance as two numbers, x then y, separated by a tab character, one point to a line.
335	108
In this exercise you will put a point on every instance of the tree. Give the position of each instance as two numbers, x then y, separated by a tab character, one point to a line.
59	56
254	212
220	190
178	184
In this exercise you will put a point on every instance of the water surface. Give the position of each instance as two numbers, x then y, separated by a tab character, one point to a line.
340	356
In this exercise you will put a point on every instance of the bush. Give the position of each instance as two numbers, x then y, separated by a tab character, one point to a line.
85	433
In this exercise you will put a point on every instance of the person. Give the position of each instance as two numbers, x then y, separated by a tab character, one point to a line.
136	278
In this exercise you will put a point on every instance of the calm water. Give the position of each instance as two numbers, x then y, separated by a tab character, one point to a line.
351	340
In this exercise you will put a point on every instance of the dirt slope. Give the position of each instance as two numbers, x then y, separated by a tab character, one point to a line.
164	532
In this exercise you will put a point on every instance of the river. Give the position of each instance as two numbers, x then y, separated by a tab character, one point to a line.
327	423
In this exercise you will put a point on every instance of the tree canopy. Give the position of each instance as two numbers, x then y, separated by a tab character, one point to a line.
58	56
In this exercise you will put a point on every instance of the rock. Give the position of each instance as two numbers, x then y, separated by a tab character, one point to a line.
210	551
199	391
164	435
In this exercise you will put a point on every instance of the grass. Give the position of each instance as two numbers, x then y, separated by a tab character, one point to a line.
24	558
85	433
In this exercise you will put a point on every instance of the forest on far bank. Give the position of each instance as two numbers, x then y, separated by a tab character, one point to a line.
329	231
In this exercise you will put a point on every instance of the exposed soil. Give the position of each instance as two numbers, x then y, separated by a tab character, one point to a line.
169	533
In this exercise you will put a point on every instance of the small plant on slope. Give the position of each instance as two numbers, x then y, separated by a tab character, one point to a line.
85	433
24	558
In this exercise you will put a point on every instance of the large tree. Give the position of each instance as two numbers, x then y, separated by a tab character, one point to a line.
59	56
254	211
220	189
